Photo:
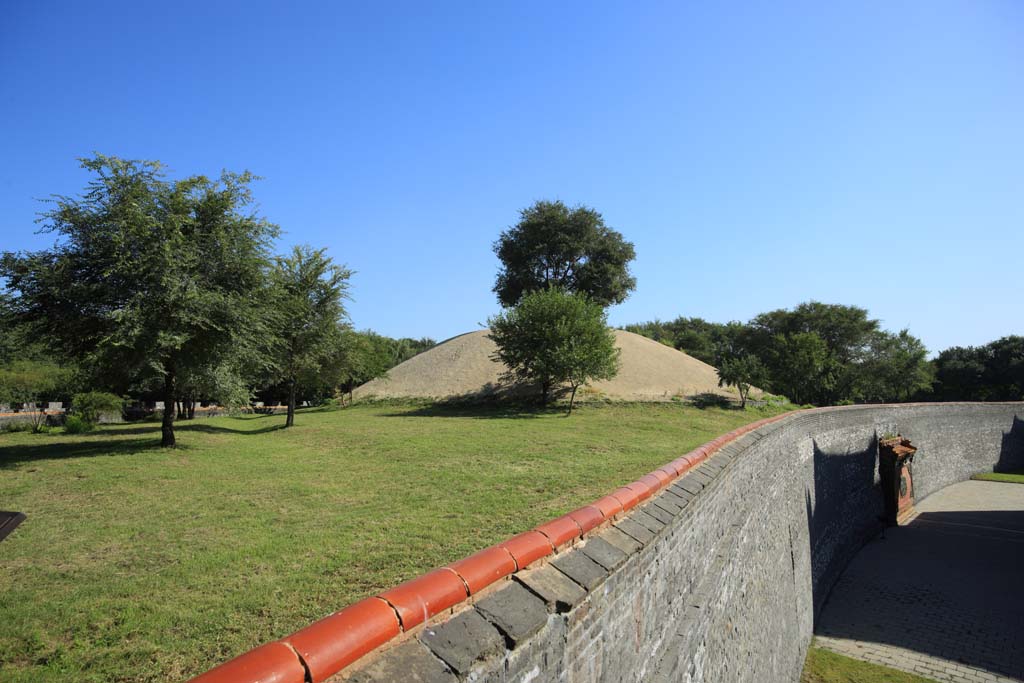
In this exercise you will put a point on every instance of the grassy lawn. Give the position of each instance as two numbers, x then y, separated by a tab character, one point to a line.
140	564
824	666
1007	477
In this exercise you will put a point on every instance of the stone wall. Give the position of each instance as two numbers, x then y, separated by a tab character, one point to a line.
719	576
710	568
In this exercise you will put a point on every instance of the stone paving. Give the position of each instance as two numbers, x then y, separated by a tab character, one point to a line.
943	596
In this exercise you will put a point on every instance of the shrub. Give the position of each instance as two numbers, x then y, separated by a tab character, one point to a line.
92	405
18	426
76	424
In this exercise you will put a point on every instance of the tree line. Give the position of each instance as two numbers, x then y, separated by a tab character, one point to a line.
171	288
829	354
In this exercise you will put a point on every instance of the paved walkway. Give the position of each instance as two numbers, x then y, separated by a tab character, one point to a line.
942	597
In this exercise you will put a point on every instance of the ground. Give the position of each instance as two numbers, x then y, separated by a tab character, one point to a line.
143	564
941	596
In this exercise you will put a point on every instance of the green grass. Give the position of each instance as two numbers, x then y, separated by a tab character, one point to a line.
143	564
824	666
1007	477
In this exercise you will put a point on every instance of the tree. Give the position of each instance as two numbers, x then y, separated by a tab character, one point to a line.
148	275
571	249
309	291
742	372
993	372
895	368
812	352
737	365
553	337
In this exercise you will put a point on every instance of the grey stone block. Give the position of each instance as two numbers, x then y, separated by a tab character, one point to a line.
668	503
643	519
690	484
652	509
463	640
580	569
410	661
636	531
620	540
715	464
516	612
701	475
604	553
679	496
556	589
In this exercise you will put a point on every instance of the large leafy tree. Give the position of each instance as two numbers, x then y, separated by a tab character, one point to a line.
993	372
895	368
568	248
148	275
553	338
309	295
812	351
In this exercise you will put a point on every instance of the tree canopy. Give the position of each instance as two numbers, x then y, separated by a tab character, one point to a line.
308	312
148	275
992	372
552	338
568	248
815	353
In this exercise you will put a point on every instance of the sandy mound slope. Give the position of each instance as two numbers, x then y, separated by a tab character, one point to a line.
462	366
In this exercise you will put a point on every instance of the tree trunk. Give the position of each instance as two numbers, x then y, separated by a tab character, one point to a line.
167	428
571	399
743	397
545	389
191	408
291	403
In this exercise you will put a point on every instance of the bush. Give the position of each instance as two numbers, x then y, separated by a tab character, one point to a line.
18	426
92	405
76	424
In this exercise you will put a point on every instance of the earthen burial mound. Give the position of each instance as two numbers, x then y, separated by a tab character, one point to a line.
463	367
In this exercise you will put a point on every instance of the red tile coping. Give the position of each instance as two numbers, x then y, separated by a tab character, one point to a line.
325	647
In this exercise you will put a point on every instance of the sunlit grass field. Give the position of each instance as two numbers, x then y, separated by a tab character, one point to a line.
825	666
143	564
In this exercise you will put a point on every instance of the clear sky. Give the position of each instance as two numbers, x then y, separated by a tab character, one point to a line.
758	154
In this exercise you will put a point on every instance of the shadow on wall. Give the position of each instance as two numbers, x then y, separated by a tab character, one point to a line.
845	512
1011	455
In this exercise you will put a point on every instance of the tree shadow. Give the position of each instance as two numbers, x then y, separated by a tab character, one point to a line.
11	456
709	399
218	429
482	409
101	443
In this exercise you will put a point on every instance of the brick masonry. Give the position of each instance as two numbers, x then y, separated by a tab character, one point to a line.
717	575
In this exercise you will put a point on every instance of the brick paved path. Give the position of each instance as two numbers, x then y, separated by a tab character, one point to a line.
943	596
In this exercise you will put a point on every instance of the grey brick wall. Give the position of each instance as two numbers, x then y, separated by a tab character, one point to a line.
718	578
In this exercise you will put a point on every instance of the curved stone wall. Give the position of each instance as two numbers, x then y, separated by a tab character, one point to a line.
711	568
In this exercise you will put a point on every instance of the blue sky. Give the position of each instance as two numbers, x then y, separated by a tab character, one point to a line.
758	154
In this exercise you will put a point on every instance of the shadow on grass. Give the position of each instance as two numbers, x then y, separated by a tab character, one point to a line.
482	409
710	400
53	450
108	442
217	429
